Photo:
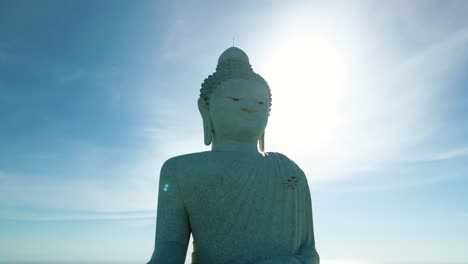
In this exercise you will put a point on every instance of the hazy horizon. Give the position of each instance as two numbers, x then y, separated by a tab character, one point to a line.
145	261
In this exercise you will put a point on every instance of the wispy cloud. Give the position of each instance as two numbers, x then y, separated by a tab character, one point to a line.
65	216
397	181
91	186
450	154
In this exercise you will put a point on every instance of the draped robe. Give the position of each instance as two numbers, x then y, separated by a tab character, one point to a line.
240	208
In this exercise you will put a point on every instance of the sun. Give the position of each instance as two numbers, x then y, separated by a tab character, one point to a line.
307	75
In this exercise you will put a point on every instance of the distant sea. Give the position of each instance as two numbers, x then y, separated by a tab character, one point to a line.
73	262
144	262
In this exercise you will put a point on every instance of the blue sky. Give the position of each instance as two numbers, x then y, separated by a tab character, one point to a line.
369	98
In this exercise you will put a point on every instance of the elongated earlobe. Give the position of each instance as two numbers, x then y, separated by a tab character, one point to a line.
207	131
261	142
207	128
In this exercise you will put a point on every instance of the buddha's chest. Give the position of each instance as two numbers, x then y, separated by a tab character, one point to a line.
225	181
233	201
231	188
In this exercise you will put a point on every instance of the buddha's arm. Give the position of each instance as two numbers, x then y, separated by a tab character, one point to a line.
172	224
307	253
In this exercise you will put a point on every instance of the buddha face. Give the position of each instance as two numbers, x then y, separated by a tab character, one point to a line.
239	110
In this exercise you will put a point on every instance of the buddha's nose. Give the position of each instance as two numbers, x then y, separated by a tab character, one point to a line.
248	105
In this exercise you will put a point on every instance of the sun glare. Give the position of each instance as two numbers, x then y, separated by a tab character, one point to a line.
307	76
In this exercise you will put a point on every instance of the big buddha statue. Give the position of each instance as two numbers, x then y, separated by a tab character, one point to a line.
242	205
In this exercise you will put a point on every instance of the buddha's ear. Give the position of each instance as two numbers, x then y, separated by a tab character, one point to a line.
261	142
207	129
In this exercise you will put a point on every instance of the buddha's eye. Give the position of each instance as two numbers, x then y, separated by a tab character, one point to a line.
260	102
234	98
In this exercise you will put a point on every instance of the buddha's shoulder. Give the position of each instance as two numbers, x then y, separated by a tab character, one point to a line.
278	156
282	160
211	162
191	160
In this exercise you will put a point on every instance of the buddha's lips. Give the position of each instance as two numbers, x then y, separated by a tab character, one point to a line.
248	110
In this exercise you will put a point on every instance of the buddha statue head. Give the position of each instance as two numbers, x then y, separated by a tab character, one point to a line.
234	103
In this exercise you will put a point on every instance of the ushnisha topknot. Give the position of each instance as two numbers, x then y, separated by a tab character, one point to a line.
232	64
